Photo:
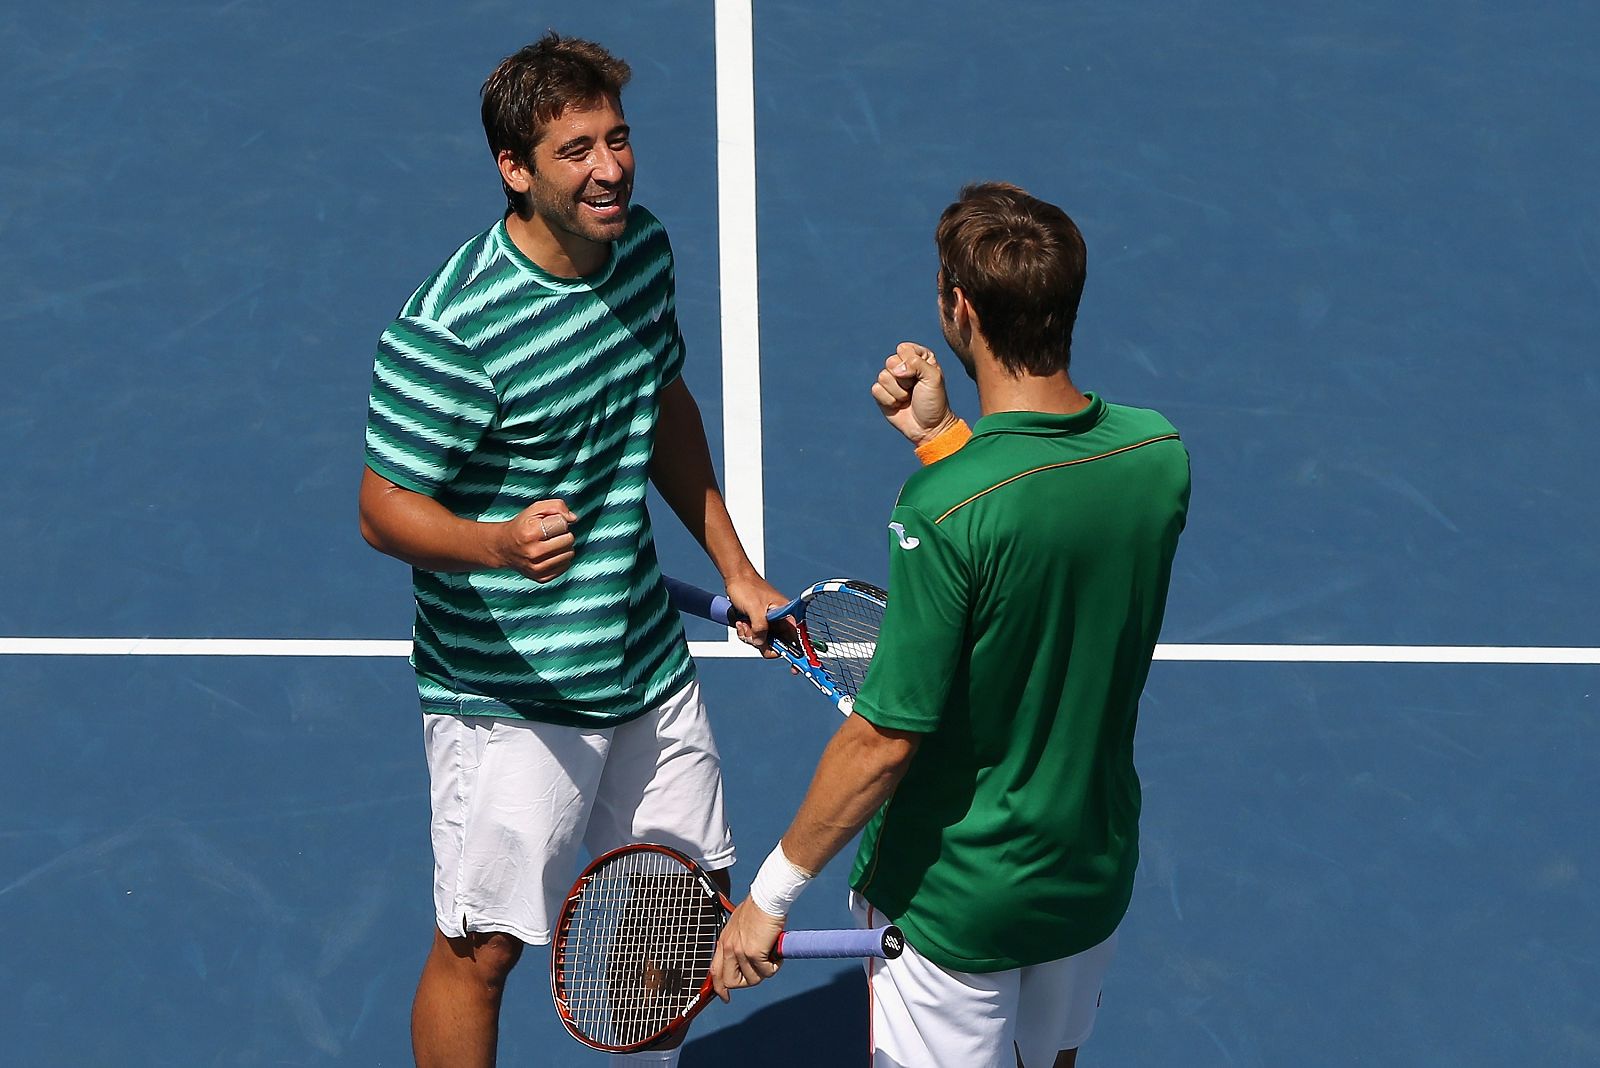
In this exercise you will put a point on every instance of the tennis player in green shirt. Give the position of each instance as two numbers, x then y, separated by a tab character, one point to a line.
989	763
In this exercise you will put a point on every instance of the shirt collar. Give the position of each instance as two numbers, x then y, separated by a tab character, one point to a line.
1044	422
560	284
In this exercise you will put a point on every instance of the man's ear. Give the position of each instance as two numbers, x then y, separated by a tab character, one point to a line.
514	172
964	314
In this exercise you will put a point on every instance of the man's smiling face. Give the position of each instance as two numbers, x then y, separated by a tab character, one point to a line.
582	176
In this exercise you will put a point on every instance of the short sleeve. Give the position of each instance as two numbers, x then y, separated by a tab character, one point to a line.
430	405
924	629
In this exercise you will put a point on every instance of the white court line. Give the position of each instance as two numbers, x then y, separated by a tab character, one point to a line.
202	647
259	647
741	321
1381	654
1262	654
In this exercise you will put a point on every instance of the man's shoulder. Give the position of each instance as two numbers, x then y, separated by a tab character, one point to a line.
1138	423
991	459
940	486
1153	434
445	288
645	236
641	219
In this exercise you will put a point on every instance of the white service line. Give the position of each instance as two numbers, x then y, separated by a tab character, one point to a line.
202	647
259	647
1381	654
1262	654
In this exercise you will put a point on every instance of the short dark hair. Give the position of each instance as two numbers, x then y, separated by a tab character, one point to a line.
535	84
1021	262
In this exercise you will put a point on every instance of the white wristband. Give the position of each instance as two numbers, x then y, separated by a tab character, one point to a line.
778	883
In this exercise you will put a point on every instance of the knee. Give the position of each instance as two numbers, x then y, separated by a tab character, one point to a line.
487	956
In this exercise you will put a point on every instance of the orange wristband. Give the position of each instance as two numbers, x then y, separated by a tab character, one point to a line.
944	443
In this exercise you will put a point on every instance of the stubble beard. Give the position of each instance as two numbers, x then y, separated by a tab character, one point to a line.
562	212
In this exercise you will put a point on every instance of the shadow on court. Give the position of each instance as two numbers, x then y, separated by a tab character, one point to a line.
824	1025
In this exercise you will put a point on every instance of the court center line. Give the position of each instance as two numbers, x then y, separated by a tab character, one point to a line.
742	476
1213	653
736	235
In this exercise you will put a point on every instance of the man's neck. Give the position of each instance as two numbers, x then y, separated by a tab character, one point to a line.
1001	391
555	251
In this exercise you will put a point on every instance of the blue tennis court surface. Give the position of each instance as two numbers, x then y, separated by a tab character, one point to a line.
1352	252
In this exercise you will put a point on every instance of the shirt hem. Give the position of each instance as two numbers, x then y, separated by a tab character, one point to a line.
478	705
498	710
400	479
920	940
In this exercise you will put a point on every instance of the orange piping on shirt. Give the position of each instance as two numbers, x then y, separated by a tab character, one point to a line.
1052	467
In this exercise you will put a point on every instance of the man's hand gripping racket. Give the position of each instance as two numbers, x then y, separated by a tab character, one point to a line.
630	963
832	637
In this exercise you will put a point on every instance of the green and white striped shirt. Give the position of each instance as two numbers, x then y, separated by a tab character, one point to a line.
500	385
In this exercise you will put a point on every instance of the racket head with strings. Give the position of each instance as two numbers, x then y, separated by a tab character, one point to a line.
835	632
630	963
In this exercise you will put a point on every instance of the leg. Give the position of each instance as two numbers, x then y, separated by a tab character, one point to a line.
663	783
1067	1058
455	1019
665	1058
509	802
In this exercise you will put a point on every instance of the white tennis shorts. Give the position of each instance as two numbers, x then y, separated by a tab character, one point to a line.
515	801
924	1015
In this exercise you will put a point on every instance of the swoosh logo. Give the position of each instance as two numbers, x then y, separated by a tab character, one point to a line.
900	532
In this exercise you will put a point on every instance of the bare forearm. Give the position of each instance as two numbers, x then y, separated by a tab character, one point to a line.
537	543
421	531
858	772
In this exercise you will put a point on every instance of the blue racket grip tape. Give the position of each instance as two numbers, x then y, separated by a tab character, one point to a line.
697	602
886	942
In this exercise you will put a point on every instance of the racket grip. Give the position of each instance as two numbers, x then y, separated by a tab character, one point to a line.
884	942
694	601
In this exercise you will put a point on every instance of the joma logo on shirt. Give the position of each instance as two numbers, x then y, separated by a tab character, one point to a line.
900	532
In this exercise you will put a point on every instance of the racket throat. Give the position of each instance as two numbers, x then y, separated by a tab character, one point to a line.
807	648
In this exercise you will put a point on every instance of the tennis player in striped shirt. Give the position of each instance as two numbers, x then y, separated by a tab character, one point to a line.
522	401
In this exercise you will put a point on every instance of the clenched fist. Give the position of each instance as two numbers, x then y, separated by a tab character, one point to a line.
538	542
910	392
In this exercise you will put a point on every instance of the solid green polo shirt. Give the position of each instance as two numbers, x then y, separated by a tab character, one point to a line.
1028	575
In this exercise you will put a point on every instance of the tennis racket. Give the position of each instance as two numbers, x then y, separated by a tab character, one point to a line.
835	632
630	964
